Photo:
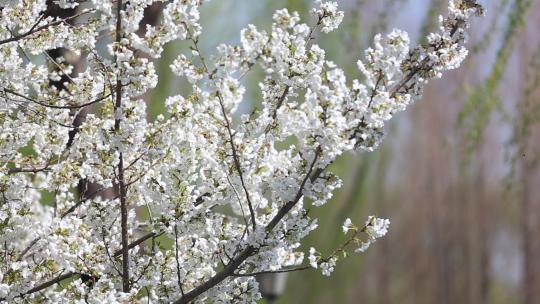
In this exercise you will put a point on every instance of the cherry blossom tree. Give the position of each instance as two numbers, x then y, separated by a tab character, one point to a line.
230	200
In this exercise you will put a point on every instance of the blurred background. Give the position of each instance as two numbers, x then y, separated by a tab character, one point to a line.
457	175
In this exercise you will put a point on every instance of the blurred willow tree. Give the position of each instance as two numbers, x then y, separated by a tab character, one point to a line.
476	112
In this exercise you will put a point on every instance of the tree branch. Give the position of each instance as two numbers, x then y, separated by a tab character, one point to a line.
26	170
138	242
229	269
251	274
120	178
6	90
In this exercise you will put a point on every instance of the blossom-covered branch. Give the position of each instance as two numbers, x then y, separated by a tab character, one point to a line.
230	199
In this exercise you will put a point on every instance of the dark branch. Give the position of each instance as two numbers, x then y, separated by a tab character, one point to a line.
121	182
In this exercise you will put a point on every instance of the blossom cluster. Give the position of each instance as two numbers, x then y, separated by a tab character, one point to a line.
190	206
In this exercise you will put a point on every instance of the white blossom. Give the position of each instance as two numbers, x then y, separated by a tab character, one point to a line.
363	247
327	267
347	225
329	15
313	257
377	227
